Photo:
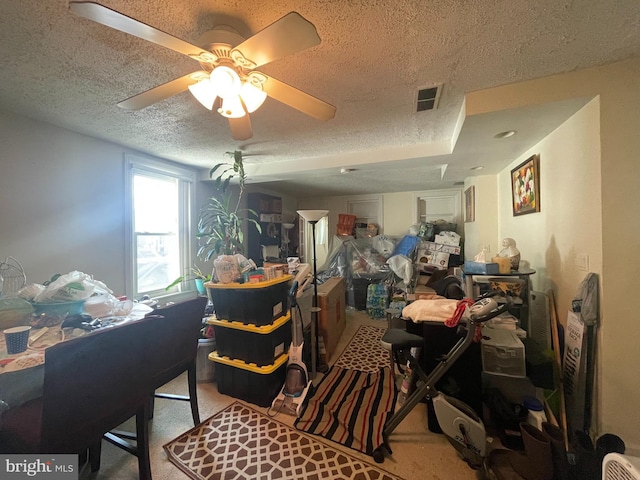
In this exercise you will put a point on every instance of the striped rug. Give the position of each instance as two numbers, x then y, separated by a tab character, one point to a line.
350	407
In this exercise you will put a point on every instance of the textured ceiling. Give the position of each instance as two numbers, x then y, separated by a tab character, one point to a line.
374	55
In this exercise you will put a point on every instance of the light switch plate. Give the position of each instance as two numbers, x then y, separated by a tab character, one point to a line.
583	262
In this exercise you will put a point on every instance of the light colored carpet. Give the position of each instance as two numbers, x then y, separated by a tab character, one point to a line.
417	452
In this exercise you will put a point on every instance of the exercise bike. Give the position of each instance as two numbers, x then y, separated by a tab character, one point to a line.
459	423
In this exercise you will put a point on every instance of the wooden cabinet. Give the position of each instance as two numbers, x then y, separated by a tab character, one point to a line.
269	210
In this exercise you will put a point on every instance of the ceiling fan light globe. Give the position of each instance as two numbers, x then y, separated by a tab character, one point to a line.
203	92
252	96
225	81
232	108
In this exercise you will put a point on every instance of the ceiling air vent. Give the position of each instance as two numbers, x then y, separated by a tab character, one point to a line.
427	98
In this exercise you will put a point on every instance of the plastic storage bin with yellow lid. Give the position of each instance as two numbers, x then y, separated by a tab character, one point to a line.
257	304
250	343
249	382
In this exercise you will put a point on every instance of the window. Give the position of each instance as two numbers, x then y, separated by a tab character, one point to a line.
160	196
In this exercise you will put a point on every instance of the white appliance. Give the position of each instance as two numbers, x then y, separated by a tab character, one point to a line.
293	394
620	467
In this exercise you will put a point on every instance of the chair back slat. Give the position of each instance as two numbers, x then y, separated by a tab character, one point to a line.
176	339
94	383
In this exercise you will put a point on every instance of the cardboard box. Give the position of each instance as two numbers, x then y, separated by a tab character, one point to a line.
435	255
332	316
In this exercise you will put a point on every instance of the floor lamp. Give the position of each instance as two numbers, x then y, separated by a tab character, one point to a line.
312	217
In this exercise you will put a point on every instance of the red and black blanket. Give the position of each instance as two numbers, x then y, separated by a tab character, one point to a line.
350	407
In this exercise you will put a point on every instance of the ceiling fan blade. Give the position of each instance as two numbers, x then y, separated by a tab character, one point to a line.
298	99
105	16
290	34
241	128
161	92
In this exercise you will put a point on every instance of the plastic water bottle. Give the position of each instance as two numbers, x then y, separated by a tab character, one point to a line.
536	415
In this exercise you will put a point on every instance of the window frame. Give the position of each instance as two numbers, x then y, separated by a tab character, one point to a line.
136	164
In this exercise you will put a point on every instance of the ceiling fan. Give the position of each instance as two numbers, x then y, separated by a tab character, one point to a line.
227	74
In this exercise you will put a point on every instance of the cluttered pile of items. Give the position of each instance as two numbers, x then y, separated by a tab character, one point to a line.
381	270
73	299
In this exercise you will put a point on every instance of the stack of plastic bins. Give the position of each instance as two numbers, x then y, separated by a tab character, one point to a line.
253	333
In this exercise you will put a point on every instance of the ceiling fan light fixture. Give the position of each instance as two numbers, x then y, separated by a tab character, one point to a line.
252	96
225	82
232	108
204	92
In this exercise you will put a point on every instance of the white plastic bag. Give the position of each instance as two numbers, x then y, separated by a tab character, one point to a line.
100	306
402	266
226	269
30	291
71	287
383	245
484	256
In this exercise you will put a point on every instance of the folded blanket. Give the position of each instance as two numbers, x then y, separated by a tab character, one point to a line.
430	310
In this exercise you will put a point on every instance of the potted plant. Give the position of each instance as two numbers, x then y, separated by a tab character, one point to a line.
221	221
220	227
195	274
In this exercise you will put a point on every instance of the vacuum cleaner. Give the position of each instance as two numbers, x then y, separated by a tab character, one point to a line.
296	387
459	423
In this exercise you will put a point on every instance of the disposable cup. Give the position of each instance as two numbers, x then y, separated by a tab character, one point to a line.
17	339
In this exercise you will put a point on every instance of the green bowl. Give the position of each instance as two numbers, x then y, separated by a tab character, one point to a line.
59	309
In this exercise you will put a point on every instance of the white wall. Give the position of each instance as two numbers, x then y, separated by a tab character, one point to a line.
616	85
62	205
570	219
484	230
398	210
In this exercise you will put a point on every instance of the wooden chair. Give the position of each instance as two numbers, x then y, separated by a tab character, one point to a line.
92	384
174	336
176	348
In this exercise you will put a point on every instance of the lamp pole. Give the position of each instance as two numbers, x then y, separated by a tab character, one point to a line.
315	309
312	217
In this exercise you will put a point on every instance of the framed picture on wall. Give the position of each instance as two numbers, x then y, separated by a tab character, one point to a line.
470	204
525	186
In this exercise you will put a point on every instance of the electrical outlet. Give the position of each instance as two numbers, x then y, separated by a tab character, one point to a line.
583	262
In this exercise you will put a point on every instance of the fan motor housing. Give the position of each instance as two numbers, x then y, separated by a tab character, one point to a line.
220	37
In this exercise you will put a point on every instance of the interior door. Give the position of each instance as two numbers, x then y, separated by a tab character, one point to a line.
367	210
440	205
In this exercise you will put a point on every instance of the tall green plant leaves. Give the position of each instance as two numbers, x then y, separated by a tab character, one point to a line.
220	223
